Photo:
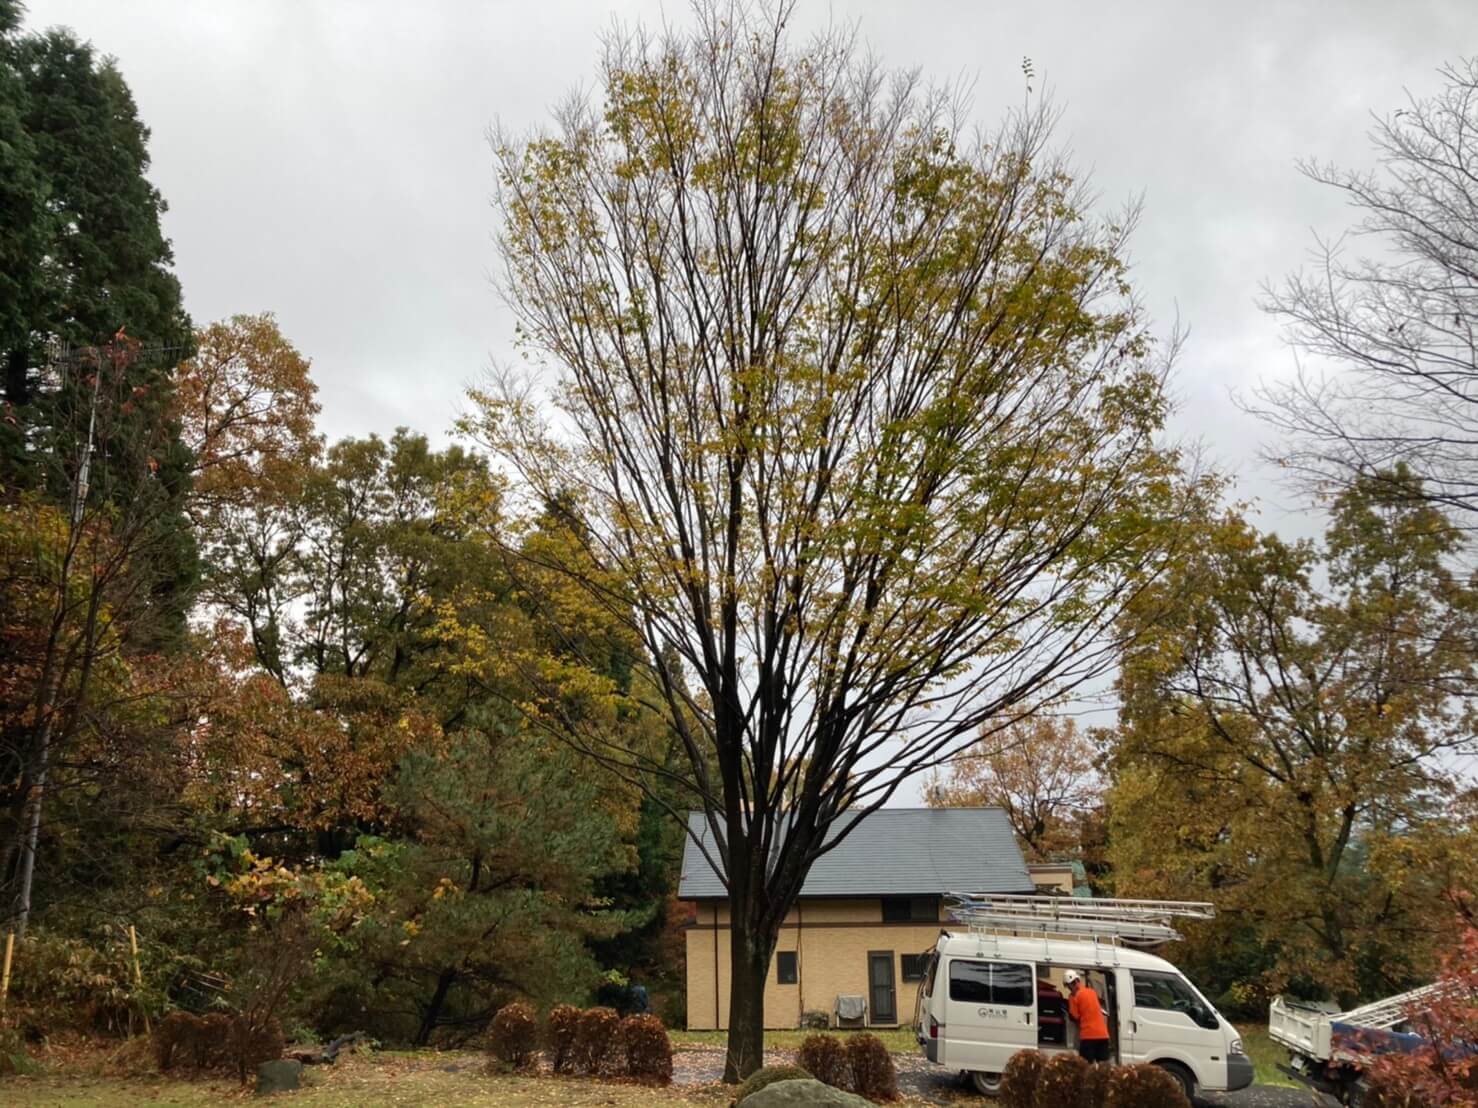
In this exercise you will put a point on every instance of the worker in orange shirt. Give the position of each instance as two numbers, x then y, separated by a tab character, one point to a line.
1085	1011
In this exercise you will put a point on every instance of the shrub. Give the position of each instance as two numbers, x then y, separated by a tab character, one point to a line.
85	984
13	1056
873	1074
817	1019
131	1058
1143	1087
173	1038
768	1075
200	1042
825	1058
1388	1092
1095	1085
1019	1080
252	1040
1444	1068
596	1039
560	1031
1063	1082
648	1049
514	1035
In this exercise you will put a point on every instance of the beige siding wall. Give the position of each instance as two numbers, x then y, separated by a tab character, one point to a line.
1051	877
832	940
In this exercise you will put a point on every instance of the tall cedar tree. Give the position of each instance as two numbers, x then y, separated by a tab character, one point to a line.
856	429
85	260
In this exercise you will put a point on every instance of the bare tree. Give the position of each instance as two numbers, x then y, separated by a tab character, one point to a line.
853	416
1398	325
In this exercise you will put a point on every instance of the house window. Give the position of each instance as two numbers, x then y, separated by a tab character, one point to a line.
915	966
786	967
910	909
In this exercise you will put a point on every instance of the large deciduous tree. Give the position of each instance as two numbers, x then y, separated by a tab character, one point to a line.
358	726
1394	331
1292	719
854	420
1040	773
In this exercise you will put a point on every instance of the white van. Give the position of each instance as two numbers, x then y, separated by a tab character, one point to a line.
988	995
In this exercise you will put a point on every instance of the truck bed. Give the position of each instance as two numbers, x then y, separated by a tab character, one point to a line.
1314	1033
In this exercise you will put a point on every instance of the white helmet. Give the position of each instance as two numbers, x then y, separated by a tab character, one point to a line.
1071	976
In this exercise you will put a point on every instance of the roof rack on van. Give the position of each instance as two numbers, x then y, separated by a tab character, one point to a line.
1137	922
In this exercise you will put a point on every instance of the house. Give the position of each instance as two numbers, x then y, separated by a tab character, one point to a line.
1060	878
866	915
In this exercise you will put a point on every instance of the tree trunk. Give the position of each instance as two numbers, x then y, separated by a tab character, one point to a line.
750	948
17	389
433	1010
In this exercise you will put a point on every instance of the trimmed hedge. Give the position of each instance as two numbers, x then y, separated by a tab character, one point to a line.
1064	1083
597	1040
1143	1087
825	1058
873	1075
514	1035
647	1048
560	1031
1020	1078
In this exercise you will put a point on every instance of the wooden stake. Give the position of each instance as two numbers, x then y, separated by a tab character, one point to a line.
5	980
138	974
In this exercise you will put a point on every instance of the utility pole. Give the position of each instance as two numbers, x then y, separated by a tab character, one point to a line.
113	355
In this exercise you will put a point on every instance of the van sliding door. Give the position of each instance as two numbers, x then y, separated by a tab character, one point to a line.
990	1013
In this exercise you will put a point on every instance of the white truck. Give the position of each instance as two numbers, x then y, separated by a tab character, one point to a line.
994	988
1327	1049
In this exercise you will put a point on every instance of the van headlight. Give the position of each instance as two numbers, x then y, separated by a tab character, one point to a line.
1236	1047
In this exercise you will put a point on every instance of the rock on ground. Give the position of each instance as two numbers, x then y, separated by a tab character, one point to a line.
802	1093
280	1076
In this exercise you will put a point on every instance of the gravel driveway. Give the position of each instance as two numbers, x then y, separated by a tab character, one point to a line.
704	1065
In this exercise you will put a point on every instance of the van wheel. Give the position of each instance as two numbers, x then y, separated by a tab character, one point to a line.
987	1083
1182	1077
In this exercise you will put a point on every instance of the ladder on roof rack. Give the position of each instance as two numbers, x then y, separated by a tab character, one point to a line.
1131	921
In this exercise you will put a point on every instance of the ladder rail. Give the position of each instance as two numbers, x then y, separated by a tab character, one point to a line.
1136	922
1386	1013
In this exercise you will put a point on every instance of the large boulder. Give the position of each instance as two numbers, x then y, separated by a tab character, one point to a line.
803	1093
279	1076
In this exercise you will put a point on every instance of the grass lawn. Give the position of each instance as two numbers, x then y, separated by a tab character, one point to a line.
77	1080
388	1078
899	1042
1266	1055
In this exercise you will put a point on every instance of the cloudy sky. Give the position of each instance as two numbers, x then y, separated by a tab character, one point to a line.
326	160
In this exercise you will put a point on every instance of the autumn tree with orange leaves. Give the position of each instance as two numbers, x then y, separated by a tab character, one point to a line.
1040	772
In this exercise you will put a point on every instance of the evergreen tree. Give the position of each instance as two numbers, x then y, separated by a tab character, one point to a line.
86	262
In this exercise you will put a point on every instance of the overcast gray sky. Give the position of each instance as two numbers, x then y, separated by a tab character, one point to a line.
326	160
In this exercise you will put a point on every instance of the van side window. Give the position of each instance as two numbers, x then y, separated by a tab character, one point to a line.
992	983
1167	992
1013	984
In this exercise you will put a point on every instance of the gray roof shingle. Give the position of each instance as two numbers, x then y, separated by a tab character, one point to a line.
894	852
